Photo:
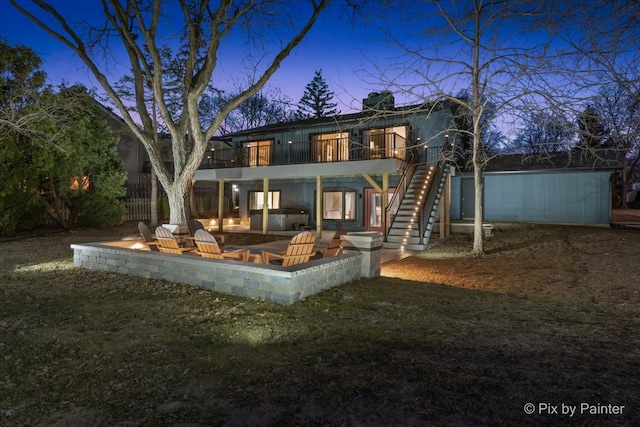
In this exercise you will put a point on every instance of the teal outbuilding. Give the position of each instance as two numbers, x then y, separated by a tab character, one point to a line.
562	188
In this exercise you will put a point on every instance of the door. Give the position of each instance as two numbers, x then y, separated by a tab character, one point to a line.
373	208
468	195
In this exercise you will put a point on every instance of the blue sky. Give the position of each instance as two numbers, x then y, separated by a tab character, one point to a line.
333	45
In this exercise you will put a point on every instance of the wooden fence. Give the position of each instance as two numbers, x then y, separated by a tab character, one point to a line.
138	202
137	208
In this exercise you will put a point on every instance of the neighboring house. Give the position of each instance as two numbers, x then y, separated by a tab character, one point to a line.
330	173
563	188
130	150
137	166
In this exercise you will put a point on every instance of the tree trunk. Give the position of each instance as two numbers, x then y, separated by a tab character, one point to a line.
154	198
624	185
176	194
478	232
193	206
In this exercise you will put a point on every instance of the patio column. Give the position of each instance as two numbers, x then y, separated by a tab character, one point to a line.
320	208
265	205
369	244
220	204
385	201
445	206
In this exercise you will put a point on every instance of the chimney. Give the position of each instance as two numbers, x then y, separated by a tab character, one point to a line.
379	101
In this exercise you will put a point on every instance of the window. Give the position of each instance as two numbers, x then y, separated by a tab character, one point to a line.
256	200
331	147
258	153
386	142
339	205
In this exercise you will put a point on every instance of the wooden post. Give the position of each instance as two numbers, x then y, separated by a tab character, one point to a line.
447	229
319	206
443	216
265	206
445	207
220	205
385	201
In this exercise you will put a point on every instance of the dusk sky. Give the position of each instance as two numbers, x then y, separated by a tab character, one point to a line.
334	45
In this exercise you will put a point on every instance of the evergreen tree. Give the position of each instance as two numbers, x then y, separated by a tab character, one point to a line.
591	130
316	100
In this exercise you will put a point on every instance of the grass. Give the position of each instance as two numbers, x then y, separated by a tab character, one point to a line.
550	315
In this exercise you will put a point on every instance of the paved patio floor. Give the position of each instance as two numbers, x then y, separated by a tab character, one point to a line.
388	255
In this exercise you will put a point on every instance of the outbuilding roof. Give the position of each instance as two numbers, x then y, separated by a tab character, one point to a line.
576	159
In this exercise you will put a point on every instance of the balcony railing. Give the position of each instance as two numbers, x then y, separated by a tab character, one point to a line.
384	146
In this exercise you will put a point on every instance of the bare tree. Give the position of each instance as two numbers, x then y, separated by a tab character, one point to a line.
266	107
620	117
603	48
142	27
492	50
542	133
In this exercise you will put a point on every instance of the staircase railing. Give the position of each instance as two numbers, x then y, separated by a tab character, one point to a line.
432	196
446	159
409	168
419	155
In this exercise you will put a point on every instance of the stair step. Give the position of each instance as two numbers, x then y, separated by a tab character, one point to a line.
411	247
403	219
400	239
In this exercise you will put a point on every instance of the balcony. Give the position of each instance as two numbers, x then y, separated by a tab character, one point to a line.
382	146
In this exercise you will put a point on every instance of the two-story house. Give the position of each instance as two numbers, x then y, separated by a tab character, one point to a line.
380	169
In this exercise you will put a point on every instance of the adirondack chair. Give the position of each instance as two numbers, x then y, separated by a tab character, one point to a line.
168	243
335	244
194	225
300	250
146	235
208	247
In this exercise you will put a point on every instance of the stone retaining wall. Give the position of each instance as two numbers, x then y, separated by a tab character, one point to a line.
266	282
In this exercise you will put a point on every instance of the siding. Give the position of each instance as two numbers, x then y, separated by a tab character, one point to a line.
301	194
571	197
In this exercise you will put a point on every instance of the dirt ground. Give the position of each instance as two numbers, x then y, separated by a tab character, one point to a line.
598	263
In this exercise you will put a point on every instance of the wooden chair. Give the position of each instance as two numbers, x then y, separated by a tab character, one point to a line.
146	235
194	225
208	247
335	245
168	243
300	250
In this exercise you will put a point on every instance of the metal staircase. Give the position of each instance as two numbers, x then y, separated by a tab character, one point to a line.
411	228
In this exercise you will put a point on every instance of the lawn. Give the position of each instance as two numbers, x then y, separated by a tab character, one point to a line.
549	317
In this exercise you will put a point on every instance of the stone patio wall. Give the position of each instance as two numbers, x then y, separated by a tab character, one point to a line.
281	285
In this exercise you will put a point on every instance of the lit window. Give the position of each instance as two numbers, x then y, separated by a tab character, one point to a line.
258	153
386	142
256	200
339	205
331	147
